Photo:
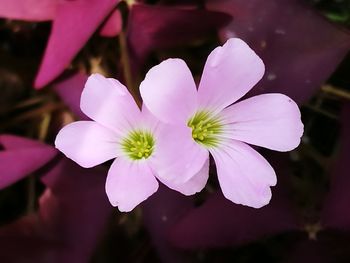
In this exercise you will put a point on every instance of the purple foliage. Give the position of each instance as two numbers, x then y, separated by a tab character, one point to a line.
336	212
69	90
155	27
19	157
67	227
74	23
300	48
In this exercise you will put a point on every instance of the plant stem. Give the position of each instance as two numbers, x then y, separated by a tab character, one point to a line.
127	70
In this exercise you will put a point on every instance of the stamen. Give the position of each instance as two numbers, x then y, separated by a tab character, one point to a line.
138	144
205	128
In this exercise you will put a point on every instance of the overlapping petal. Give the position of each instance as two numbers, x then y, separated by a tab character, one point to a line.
169	91
148	120
244	175
177	157
229	73
87	143
109	103
194	185
129	183
269	120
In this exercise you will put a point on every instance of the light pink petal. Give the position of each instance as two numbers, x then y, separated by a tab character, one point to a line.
30	10
108	102
177	157
113	25
192	186
230	72
245	176
129	183
148	120
87	143
269	120
169	91
74	23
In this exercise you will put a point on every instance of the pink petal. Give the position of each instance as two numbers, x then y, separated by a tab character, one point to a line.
108	102
113	25
269	120
87	143
30	10
194	185
169	91
20	157
230	72
177	157
129	183
74	23
148	120
245	176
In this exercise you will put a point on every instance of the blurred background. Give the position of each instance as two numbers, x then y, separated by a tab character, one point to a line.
51	210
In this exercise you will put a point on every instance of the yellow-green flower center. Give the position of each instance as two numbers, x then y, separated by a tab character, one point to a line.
138	144
205	128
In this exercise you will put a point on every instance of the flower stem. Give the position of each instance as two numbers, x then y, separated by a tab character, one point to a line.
127	69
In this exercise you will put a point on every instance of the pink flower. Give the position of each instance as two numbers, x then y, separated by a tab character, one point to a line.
146	149
269	120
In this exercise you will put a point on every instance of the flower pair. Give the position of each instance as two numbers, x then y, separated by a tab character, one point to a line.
171	137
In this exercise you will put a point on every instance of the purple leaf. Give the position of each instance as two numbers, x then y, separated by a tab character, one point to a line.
229	224
113	25
24	241
75	208
73	211
152	27
299	47
336	213
30	10
69	90
219	222
74	23
330	246
160	212
20	157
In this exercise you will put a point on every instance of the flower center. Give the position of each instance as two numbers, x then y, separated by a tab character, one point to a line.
138	144
205	128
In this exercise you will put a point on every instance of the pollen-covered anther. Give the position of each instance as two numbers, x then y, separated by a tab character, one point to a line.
205	128
138	144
